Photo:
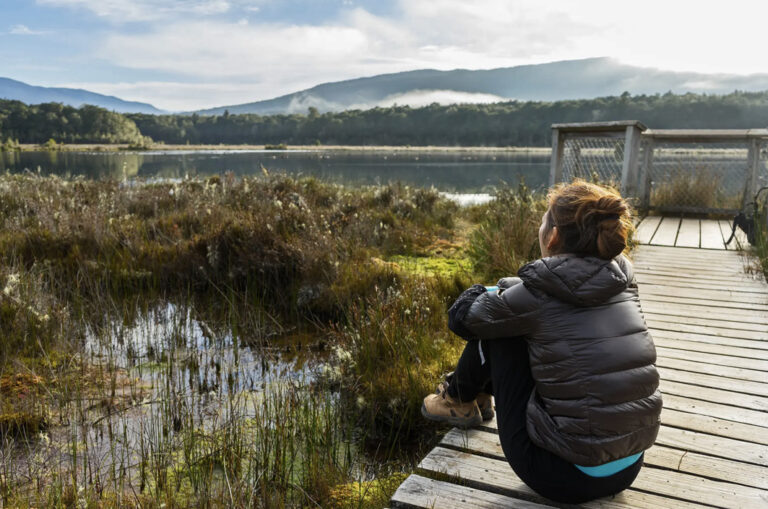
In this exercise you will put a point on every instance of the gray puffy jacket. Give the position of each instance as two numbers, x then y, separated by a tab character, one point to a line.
596	397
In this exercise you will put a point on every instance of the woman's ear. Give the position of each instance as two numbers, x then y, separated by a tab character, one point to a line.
554	240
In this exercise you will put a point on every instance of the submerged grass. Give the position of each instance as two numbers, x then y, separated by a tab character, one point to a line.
144	362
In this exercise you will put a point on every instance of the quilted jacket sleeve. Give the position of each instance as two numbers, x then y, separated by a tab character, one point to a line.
501	314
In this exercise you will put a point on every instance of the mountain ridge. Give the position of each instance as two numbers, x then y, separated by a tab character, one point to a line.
32	94
552	81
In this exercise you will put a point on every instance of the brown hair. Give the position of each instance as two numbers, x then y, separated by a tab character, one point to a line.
592	220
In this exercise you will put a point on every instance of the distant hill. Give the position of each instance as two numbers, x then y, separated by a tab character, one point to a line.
570	79
19	91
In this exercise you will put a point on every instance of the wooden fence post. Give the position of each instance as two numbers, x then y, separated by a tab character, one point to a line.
629	168
556	163
645	174
753	170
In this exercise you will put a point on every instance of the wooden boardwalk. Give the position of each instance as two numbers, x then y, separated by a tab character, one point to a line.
709	321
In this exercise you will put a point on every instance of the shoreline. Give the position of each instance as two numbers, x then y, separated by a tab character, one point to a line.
97	147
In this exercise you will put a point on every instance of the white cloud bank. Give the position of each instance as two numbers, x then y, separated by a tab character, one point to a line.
144	10
265	60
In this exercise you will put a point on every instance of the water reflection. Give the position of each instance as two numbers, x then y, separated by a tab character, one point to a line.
458	171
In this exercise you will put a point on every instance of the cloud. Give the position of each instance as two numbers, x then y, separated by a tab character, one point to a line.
417	98
269	59
24	30
144	10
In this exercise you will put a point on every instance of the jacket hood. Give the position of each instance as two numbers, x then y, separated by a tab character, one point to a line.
579	280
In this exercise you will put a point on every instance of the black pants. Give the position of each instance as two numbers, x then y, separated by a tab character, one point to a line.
506	374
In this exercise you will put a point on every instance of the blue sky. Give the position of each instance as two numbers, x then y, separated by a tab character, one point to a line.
187	54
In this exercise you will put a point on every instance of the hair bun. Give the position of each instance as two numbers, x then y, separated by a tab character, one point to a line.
594	220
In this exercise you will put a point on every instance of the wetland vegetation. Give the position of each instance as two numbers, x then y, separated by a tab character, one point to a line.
250	342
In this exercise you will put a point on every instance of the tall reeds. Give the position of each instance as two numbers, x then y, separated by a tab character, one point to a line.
228	342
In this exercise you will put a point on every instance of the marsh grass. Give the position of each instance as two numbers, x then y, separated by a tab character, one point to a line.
699	188
153	333
507	233
760	247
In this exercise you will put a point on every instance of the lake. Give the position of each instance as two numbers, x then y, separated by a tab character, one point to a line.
457	171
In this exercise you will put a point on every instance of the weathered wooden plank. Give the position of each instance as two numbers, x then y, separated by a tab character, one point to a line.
689	234
713	270
487	444
703	306
712	267
702	271
713	315
737	306
698	346
695	293
708	466
758	366
735	288
652	253
656	321
493	474
647	228
721	277
418	491
743	435
719	446
666	233
711	237
654	250
712	369
755	406
721	411
704	135
680	251
706	380
709	425
757	324
683	275
699	489
705	338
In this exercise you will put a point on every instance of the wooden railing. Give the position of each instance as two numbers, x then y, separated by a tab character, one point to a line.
668	170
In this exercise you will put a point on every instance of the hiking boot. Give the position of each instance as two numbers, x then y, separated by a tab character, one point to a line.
441	407
485	404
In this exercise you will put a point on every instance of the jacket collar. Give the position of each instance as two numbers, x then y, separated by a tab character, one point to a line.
580	280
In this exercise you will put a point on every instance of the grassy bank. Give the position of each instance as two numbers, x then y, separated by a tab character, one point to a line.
228	342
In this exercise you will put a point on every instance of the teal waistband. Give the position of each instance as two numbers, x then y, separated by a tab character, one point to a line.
611	467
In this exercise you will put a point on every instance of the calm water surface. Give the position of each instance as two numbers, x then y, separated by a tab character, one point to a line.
450	171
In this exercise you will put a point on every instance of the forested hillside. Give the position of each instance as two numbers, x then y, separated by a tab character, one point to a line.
64	124
500	124
511	123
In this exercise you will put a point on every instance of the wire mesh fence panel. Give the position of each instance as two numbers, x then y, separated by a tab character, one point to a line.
593	158
762	168
698	177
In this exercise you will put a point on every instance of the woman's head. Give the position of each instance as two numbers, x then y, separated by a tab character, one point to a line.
585	219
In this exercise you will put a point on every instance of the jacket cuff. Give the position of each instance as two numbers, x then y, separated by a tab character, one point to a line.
458	311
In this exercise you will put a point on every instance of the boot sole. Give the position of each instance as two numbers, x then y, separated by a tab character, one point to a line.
459	422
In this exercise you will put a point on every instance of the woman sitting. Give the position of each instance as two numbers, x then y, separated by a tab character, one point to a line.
566	353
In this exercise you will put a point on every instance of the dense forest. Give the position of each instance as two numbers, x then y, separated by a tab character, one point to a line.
64	124
512	123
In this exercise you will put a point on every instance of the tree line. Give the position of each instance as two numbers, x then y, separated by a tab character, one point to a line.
512	123
64	124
